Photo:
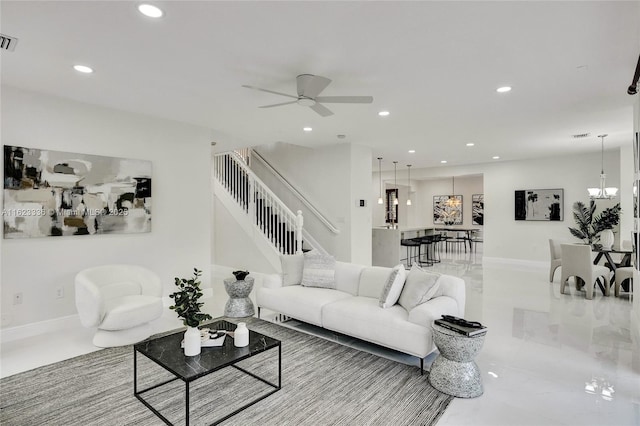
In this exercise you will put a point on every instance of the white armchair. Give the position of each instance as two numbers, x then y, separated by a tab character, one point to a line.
120	300
576	262
556	257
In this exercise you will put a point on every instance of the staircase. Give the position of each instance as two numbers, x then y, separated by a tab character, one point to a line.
263	211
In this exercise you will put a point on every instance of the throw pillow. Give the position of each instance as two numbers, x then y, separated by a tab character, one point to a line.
319	270
393	287
292	266
419	287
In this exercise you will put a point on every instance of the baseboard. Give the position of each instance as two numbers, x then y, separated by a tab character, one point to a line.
11	334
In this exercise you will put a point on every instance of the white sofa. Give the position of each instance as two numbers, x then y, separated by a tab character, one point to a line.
353	308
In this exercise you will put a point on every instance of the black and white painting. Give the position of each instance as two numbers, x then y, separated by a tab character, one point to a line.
447	209
539	204
477	204
54	193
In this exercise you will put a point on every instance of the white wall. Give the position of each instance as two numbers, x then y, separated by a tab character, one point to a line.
505	237
181	201
332	178
420	212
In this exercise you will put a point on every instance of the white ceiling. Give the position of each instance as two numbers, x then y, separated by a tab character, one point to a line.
434	65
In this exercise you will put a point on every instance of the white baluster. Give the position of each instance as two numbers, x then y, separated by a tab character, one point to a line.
299	223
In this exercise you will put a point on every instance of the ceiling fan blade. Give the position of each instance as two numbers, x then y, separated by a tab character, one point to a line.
322	110
270	91
275	105
345	99
310	85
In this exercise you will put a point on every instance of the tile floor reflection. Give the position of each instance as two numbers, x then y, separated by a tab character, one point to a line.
548	358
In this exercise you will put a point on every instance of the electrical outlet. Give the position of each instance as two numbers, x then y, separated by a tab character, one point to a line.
17	298
59	292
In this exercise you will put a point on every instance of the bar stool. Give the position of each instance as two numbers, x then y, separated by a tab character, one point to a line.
427	241
411	246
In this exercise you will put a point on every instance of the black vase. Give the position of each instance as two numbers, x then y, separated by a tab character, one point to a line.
240	275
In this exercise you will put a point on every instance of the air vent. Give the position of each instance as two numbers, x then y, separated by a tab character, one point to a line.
581	135
8	43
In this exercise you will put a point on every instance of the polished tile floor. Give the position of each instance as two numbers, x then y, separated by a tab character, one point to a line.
548	359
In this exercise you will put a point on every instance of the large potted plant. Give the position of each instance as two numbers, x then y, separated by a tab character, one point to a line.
187	306
590	228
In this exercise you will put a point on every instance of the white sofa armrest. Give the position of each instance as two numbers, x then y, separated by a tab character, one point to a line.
425	313
89	301
272	281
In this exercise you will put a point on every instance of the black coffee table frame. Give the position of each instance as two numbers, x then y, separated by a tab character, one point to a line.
260	344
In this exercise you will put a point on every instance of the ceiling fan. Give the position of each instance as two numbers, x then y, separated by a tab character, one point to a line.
309	87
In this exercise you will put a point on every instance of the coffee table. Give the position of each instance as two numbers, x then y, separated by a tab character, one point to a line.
167	353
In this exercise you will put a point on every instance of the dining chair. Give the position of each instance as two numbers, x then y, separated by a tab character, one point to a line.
556	257
576	262
623	273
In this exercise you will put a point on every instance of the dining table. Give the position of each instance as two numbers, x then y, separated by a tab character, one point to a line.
610	263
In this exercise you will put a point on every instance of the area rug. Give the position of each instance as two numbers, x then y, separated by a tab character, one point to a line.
323	383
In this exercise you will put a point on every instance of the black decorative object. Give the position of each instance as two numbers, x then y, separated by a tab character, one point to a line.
240	275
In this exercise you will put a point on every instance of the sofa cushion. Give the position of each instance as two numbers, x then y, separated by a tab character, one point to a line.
372	281
419	287
319	270
348	277
393	287
292	267
296	301
361	317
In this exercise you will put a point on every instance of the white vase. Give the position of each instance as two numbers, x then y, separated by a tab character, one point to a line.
192	341
241	335
606	239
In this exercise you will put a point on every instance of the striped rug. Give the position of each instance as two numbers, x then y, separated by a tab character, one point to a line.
324	383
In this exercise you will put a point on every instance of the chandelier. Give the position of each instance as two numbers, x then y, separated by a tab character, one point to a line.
602	193
453	201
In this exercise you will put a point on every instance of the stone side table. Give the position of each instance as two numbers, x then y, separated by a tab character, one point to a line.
454	372
239	305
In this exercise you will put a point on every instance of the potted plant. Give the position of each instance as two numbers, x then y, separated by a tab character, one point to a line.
590	228
187	306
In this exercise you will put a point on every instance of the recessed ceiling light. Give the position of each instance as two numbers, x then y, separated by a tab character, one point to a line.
383	113
412	151
443	161
470	144
150	10
496	157
503	89
307	129
83	69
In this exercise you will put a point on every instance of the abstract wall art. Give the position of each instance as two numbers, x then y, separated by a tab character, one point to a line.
55	193
477	204
447	209
539	204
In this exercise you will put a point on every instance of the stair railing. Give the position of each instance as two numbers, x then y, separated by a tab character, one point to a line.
276	221
321	217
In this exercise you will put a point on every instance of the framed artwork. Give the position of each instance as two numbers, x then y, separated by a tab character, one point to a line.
391	211
447	209
539	204
54	193
477	205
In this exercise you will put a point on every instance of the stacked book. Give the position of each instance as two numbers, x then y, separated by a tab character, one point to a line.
458	325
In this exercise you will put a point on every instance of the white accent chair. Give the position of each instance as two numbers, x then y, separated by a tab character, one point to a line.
576	262
556	257
623	273
120	300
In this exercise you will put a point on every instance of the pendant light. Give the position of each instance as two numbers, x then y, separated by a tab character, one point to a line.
602	193
380	200
395	181
409	190
453	201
